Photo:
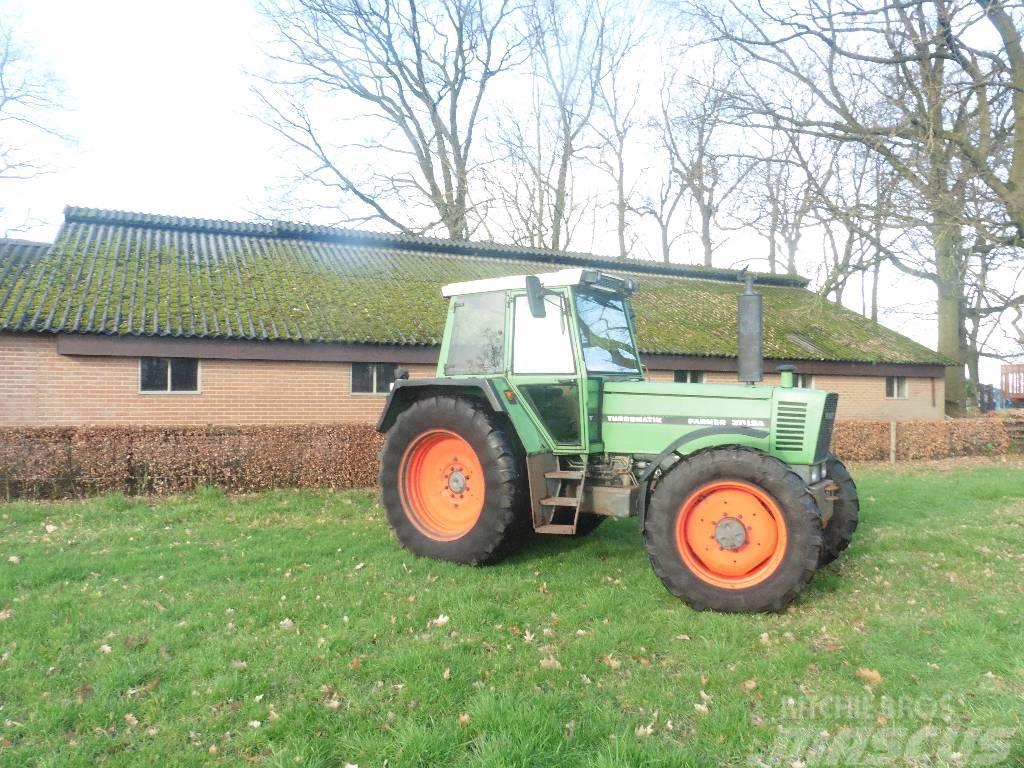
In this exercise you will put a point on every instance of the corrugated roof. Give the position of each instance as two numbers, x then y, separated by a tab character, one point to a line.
118	273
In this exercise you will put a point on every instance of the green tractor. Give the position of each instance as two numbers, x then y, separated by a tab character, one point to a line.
540	420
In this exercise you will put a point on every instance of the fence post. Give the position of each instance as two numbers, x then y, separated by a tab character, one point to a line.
892	442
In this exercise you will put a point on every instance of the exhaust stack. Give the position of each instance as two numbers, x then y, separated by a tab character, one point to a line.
750	356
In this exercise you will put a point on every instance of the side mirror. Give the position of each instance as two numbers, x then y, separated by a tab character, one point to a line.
535	296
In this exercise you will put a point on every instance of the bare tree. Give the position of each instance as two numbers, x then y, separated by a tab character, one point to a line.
780	199
665	202
29	98
711	166
573	50
620	119
898	78
410	80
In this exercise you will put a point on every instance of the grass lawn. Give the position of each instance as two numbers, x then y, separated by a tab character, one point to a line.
289	629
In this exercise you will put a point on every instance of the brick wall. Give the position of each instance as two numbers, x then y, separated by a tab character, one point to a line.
860	397
39	387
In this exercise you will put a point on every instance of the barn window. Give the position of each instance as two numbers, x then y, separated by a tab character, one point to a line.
805	380
689	377
895	387
373	378
168	374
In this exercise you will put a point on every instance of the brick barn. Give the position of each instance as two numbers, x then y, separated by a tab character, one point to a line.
141	319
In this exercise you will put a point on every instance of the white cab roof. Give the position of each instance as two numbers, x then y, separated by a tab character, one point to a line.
518	282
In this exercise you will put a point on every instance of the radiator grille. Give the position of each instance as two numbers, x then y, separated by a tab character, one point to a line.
828	422
790	425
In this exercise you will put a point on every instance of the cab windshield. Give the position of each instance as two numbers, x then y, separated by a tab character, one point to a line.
605	335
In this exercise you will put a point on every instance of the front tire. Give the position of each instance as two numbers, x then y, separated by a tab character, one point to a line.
451	481
845	512
733	529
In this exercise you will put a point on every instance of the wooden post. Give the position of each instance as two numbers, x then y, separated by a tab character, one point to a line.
892	442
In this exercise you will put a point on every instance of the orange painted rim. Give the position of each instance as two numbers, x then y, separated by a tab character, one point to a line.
441	483
731	534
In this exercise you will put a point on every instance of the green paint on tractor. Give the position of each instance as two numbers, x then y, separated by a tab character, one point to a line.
540	421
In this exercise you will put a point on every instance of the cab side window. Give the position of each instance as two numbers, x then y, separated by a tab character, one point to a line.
542	344
478	334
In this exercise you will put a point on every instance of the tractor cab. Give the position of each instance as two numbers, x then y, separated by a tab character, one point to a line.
553	338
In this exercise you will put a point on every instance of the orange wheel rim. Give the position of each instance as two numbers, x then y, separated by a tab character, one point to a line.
441	484
731	534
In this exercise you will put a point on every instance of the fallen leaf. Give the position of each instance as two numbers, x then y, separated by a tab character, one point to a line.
131	719
6	613
255	723
748	685
463	719
239	664
82	693
869	676
447	673
51	528
151	731
440	621
212	750
682	637
825	644
359	567
570	729
136	692
286	623
14	560
644	730
356	663
550	662
704	696
702	708
330	697
105	648
612	662
765	638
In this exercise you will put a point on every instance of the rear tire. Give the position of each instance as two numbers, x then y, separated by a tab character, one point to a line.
451	481
733	529
845	512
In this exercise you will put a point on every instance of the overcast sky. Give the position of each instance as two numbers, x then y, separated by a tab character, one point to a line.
159	106
159	103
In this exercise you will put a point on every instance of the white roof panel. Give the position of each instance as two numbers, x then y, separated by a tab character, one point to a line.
517	282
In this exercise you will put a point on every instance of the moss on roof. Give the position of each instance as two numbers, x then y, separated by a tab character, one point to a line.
132	275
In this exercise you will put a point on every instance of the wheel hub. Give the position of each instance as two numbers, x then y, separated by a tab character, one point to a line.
730	533
456	482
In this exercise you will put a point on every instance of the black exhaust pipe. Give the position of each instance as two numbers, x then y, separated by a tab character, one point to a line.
750	355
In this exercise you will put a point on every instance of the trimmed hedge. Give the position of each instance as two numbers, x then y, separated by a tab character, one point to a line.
68	461
938	439
48	462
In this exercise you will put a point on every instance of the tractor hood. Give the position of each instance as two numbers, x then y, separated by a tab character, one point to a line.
646	418
646	388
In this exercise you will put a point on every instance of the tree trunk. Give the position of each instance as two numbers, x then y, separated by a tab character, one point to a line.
874	292
561	193
945	237
622	204
705	232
